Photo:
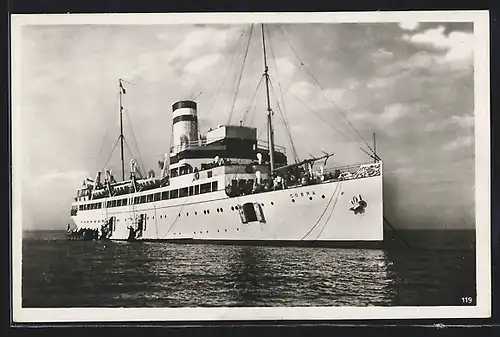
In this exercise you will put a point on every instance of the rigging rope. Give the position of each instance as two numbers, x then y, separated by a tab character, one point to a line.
287	128
134	139
241	75
330	125
105	136
323	213
234	47
331	213
323	92
284	115
252	99
111	154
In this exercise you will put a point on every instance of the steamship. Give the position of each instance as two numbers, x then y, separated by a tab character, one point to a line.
228	187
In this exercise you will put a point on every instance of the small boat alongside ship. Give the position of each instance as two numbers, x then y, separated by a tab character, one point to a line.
229	187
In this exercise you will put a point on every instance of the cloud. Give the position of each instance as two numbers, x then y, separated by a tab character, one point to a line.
286	70
393	112
383	54
464	122
458	46
408	25
203	40
61	177
460	143
196	66
301	89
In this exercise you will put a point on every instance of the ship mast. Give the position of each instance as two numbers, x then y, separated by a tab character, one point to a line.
270	132
122	90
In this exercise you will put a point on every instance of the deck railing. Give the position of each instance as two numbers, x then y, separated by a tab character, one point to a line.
263	145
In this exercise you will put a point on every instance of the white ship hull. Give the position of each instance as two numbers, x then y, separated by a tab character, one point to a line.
315	213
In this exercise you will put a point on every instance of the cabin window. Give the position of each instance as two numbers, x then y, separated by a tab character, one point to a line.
174	194
156	196
174	173
113	203
118	203
164	195
183	192
150	198
191	190
209	174
143	199
197	189
136	200
80	207
234	182
214	186
124	202
204	188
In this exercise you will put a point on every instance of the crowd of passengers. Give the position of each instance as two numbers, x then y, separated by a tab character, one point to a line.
293	177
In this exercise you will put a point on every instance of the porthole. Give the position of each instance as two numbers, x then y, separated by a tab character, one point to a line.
225	230
342	193
204	212
218	210
208	211
323	196
179	214
237	229
148	217
221	210
310	198
195	213
293	200
218	231
187	214
262	204
201	232
232	208
272	203
153	217
207	232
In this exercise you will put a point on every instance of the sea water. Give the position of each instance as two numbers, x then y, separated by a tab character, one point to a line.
432	268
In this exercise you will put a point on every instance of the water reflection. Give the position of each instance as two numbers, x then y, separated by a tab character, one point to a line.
79	274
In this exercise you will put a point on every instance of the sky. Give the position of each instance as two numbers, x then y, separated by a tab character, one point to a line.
409	83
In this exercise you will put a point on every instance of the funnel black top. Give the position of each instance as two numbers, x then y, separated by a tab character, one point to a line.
184	104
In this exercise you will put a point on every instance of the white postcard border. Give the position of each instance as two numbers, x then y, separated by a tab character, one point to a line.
482	173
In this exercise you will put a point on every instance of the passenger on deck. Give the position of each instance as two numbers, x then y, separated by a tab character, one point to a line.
278	182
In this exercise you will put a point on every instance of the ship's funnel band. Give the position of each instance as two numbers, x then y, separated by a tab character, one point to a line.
181	118
184	124
184	104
